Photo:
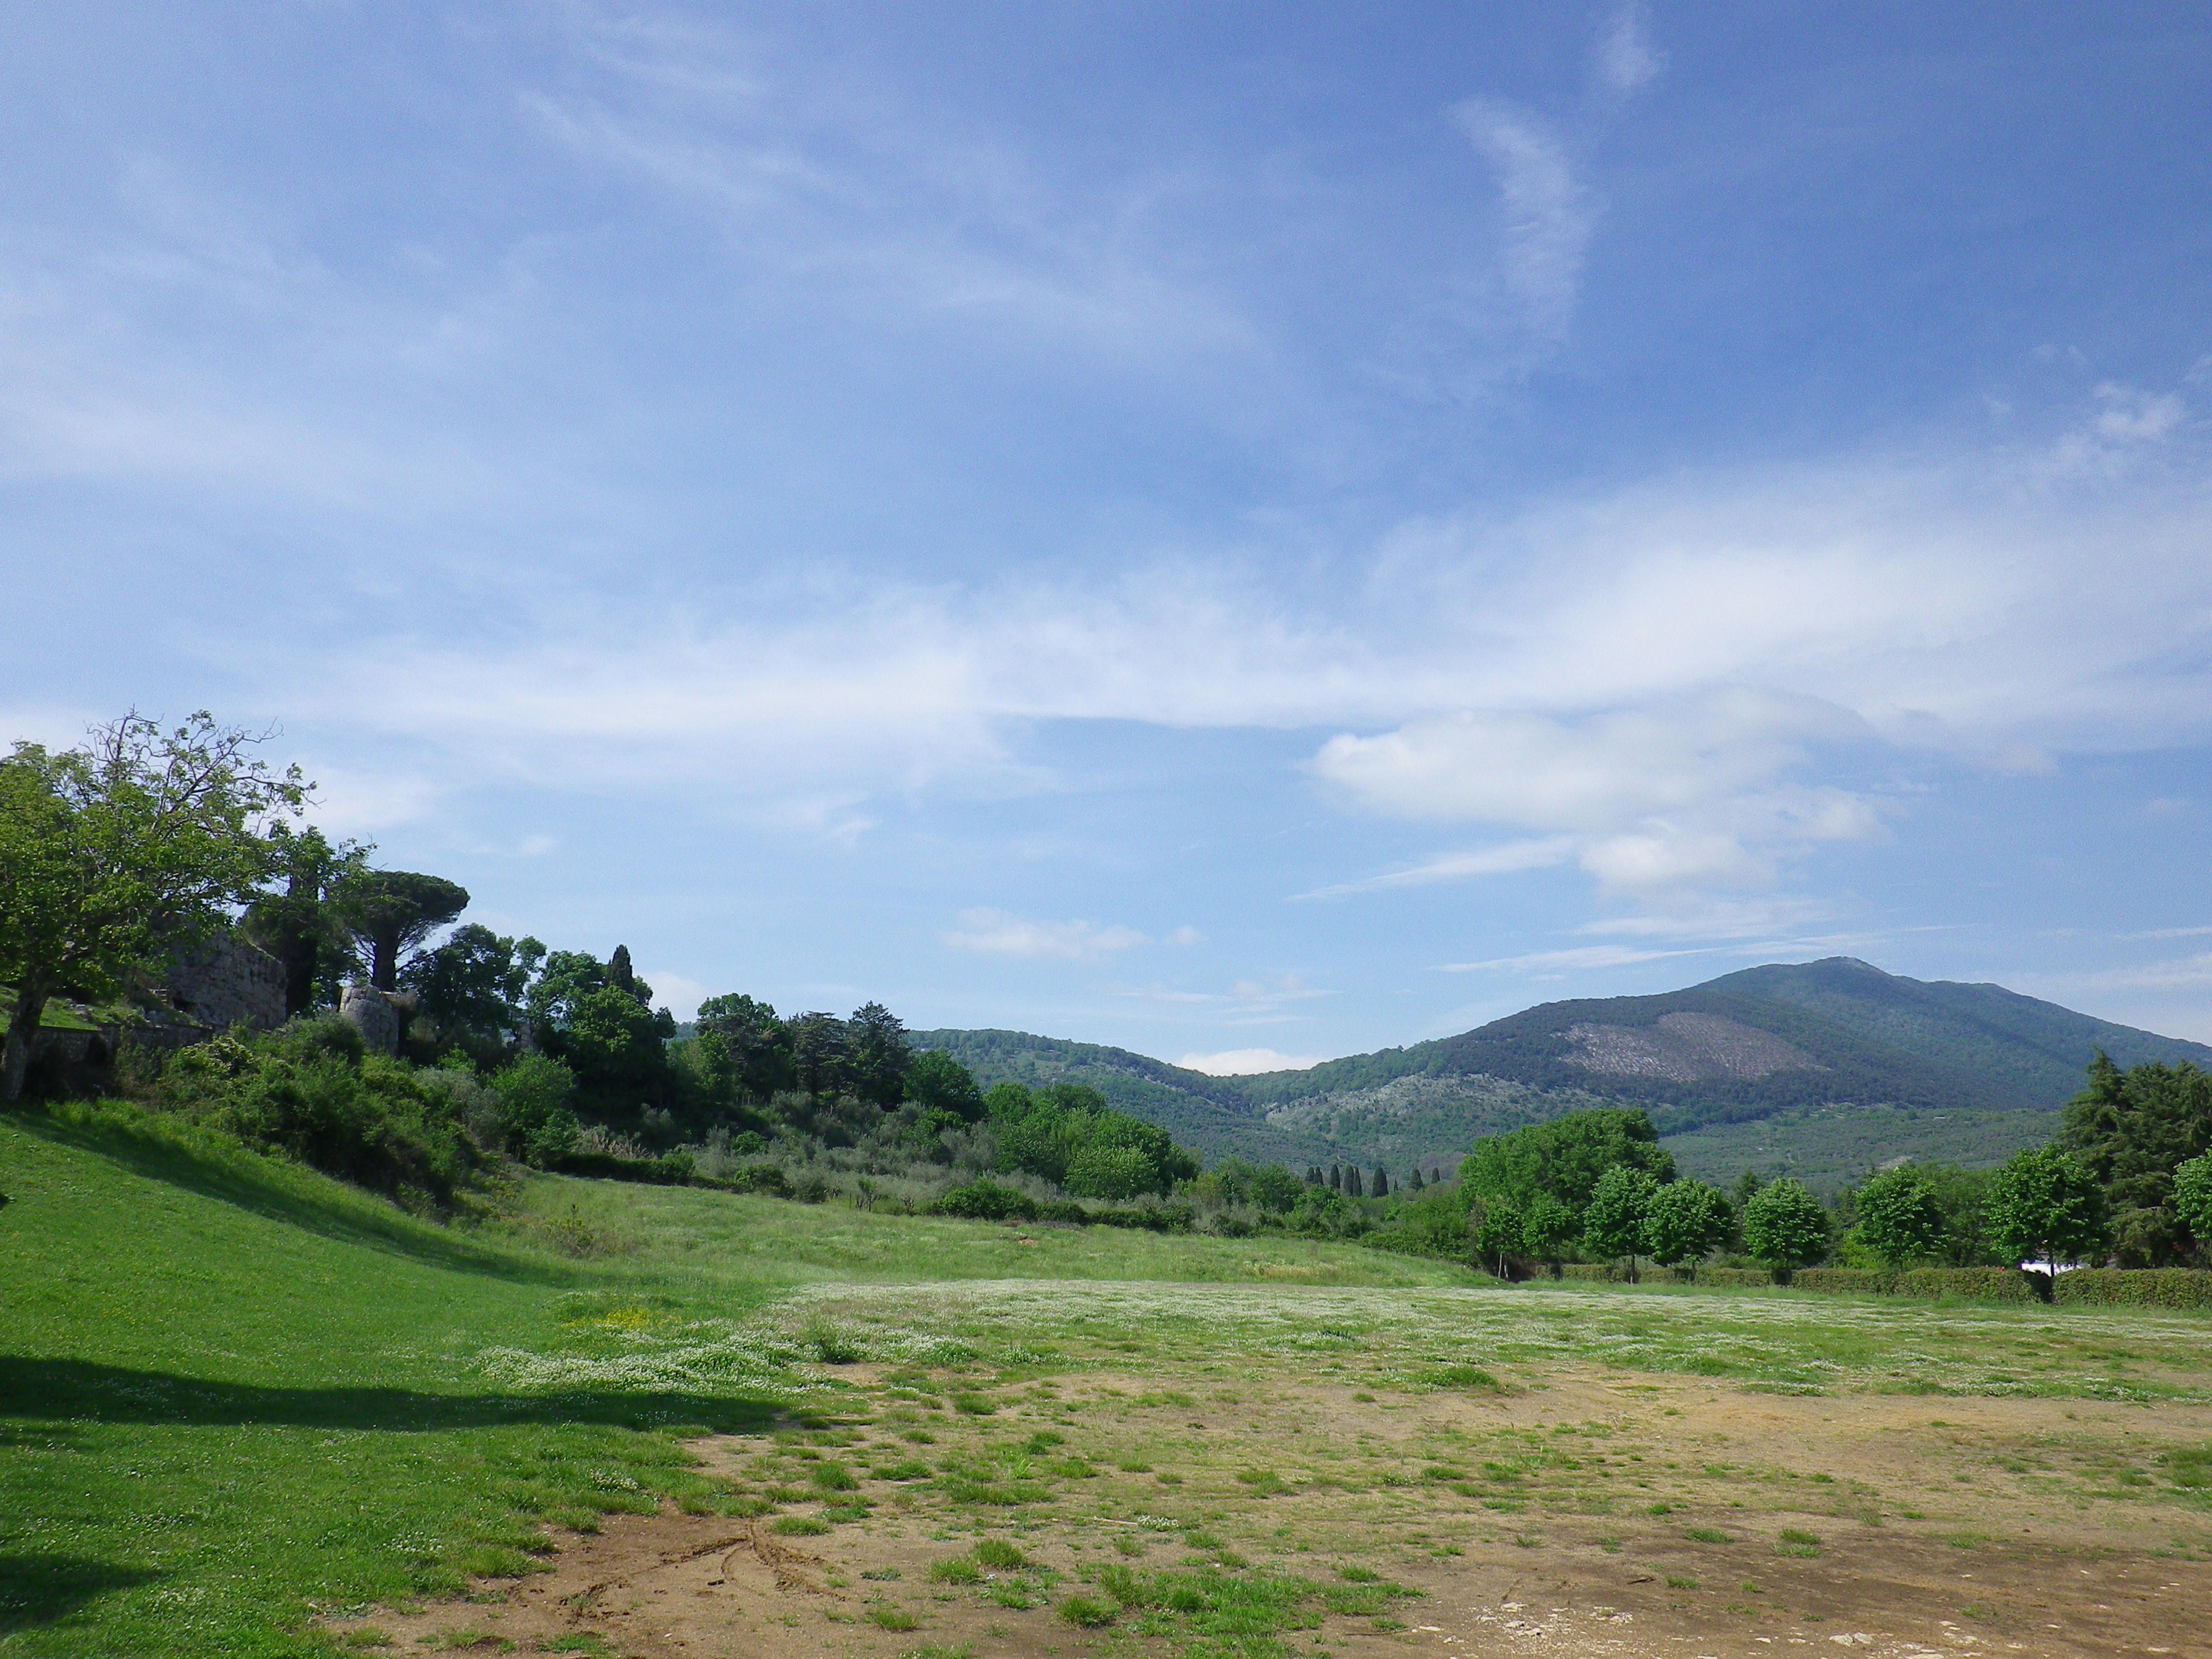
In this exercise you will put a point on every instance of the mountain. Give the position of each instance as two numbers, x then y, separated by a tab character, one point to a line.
1825	1067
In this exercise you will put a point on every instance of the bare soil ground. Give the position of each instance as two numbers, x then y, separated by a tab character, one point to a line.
1593	1515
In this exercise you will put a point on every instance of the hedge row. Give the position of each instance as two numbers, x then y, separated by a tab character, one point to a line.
2136	1287
1982	1284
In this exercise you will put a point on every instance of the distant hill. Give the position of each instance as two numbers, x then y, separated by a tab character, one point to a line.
1841	1065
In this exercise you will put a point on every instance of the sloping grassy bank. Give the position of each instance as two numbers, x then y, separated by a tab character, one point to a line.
233	1392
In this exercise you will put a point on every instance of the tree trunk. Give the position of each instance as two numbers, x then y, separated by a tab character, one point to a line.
23	1032
383	966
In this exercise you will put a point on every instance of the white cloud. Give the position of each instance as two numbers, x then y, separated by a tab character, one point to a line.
997	933
2130	415
1186	936
1244	1062
1627	60
1549	215
1674	678
1664	799
674	992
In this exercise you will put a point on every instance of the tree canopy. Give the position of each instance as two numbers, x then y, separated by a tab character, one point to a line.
1565	1158
1785	1226
2047	1206
115	855
393	911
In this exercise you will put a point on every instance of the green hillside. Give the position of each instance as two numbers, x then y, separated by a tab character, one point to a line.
235	1395
1210	1114
1838	1065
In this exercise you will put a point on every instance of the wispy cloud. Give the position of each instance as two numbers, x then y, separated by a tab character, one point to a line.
1557	961
1264	1000
1627	60
997	933
1549	213
1511	858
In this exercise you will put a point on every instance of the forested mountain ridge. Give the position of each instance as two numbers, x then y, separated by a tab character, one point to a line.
1803	1041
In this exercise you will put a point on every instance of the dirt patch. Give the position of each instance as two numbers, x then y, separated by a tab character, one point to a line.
1593	1516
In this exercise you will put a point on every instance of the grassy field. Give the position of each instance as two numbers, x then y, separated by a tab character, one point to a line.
246	1410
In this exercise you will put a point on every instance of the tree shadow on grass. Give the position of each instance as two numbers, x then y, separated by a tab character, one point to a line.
38	1590
75	1391
235	1175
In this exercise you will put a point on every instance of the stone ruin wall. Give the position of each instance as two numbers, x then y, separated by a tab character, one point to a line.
228	981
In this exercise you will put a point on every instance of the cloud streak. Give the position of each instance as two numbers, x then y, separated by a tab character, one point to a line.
996	933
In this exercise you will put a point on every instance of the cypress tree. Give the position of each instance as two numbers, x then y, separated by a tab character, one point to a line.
1352	1183
1381	1187
1417	1178
1335	1179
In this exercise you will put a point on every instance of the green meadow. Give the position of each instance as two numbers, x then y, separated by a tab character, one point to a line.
245	1410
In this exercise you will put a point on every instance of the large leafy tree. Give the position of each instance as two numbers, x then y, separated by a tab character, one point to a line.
1500	1233
2192	1197
1685	1222
393	911
875	1054
940	1085
2130	1130
472	986
1785	1226
1565	1158
114	854
2047	1206
303	924
1612	1220
821	1050
1901	1217
745	1049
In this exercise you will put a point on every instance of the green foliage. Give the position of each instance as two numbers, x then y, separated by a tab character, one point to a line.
393	911
938	1083
2045	1206
1435	1222
2192	1196
742	1049
1685	1221
2142	1287
304	923
1565	1160
1548	1227
1068	1135
1613	1219
876	1055
471	987
1900	1216
1785	1226
534	1093
2131	1130
1497	1233
113	854
309	1091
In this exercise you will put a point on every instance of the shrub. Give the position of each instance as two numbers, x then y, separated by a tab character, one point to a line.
534	1093
986	1200
309	1091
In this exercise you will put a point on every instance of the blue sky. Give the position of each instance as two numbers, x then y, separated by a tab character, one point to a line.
1209	528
